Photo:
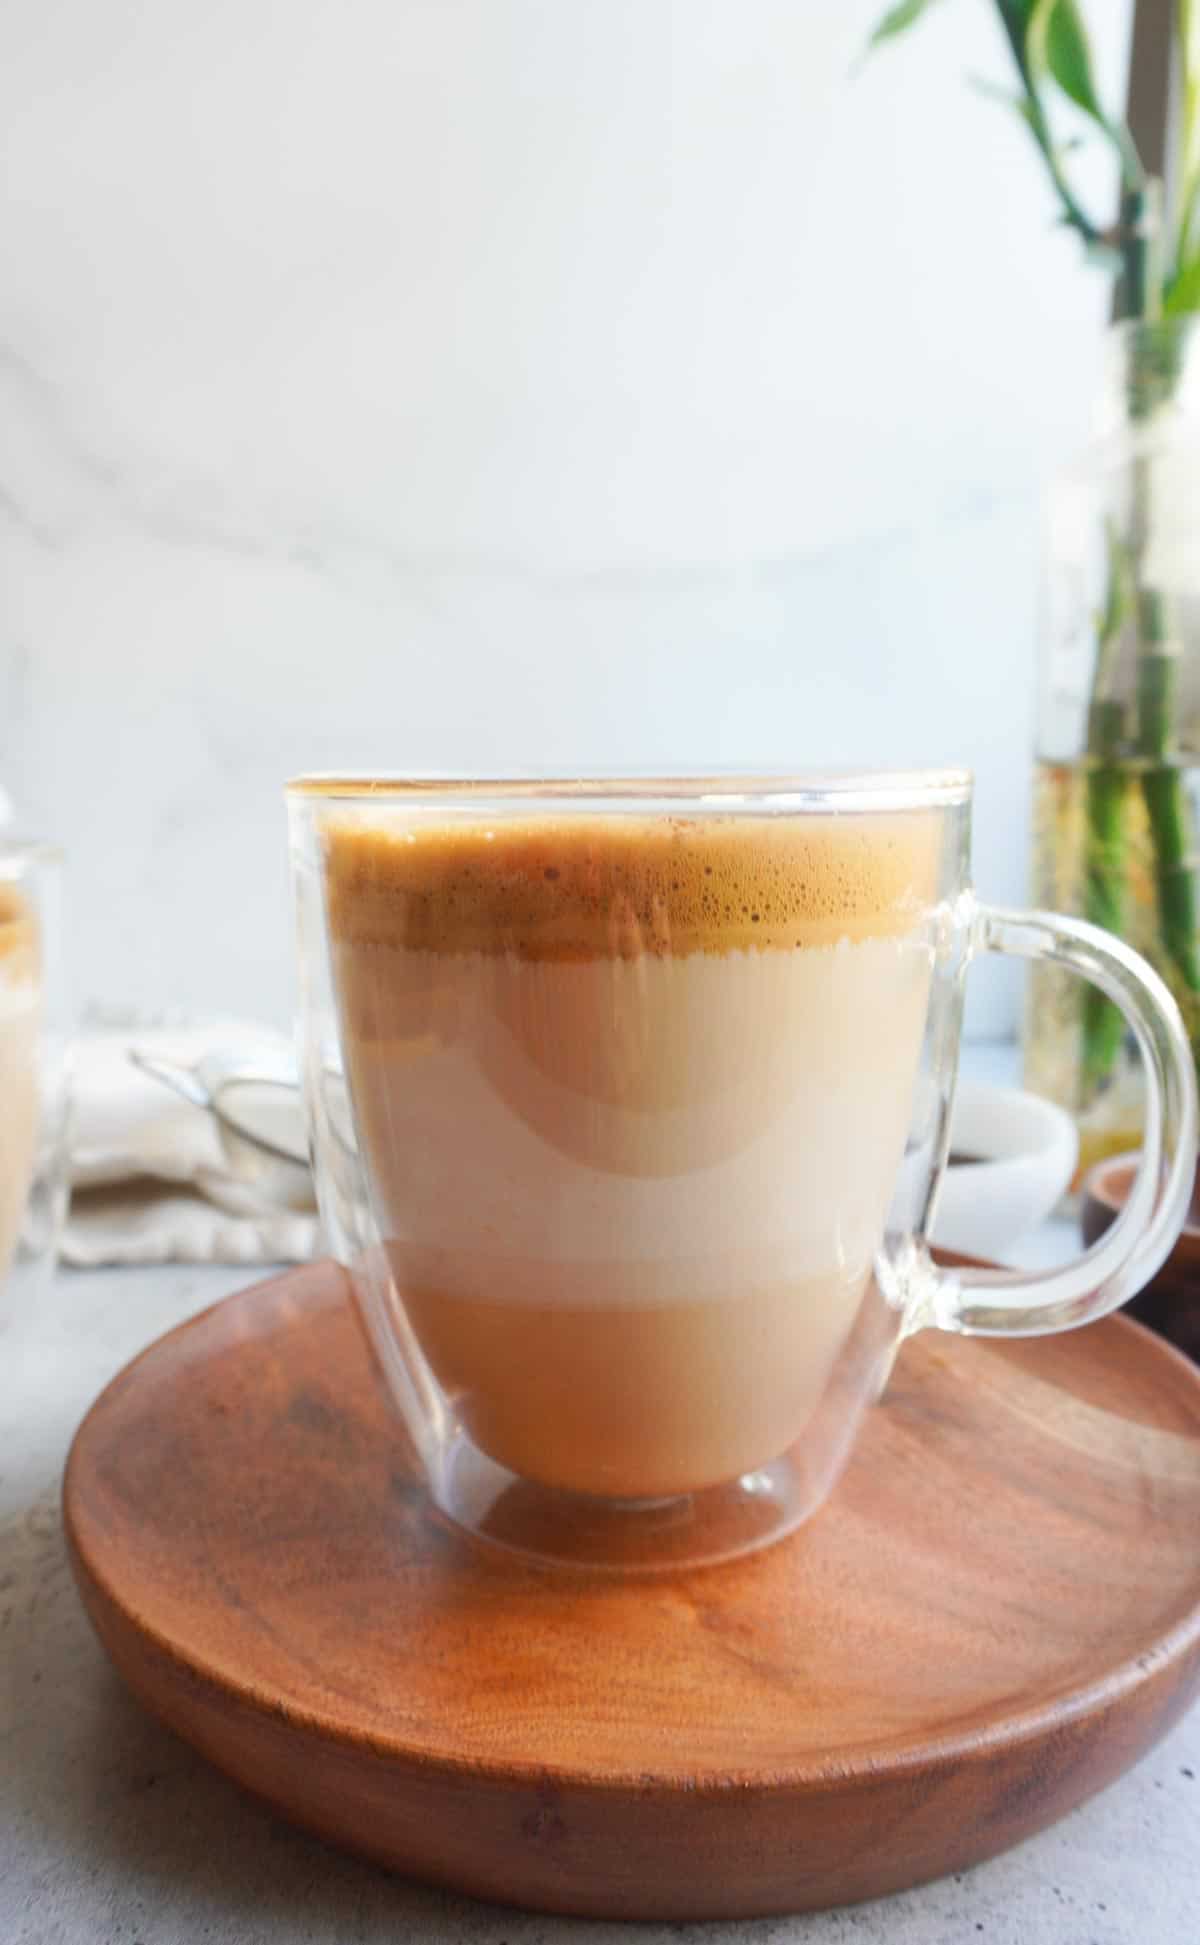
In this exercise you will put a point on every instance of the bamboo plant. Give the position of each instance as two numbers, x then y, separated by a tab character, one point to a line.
1152	249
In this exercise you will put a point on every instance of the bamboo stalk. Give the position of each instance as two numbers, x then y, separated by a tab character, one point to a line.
1104	877
1105	808
1163	791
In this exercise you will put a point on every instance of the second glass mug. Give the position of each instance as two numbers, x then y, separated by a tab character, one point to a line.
629	1104
33	1077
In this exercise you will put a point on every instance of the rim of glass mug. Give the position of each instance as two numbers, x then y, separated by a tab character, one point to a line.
716	790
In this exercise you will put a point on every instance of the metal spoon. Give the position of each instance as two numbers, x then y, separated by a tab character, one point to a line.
256	1103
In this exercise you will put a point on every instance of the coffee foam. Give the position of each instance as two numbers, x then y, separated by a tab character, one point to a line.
575	887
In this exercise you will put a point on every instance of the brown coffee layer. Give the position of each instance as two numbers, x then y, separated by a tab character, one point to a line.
576	887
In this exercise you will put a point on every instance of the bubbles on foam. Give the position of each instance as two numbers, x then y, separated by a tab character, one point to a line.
579	886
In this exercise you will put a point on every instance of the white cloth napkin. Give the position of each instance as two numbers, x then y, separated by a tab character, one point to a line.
149	1178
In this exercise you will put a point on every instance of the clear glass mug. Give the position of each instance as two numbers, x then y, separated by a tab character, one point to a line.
33	1071
629	1105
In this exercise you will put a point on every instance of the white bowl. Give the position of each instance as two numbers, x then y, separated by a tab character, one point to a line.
1027	1152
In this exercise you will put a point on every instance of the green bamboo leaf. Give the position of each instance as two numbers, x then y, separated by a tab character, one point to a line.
1038	15
1182	293
1016	18
1057	46
1017	14
1069	59
898	18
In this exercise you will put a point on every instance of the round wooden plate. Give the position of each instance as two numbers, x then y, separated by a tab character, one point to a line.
996	1613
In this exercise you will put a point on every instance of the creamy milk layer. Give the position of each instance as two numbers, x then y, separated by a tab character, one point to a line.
19	1025
631	1165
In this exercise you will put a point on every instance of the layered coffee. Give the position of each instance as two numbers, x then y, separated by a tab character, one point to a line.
632	1095
19	1024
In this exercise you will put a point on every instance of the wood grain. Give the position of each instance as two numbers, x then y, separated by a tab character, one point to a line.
996	1613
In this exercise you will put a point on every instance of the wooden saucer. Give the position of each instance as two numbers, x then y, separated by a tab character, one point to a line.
997	1612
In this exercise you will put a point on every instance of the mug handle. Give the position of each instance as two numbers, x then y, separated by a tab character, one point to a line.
1032	1303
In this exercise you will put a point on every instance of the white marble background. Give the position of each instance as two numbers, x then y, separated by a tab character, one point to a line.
487	383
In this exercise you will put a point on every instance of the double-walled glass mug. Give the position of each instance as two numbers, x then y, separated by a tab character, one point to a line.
629	1105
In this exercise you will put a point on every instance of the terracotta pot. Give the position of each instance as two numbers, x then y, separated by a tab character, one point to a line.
1171	1303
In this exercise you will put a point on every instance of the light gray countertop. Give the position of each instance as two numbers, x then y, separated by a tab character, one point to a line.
114	1833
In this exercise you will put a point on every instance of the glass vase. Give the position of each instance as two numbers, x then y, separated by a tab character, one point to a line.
1118	727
